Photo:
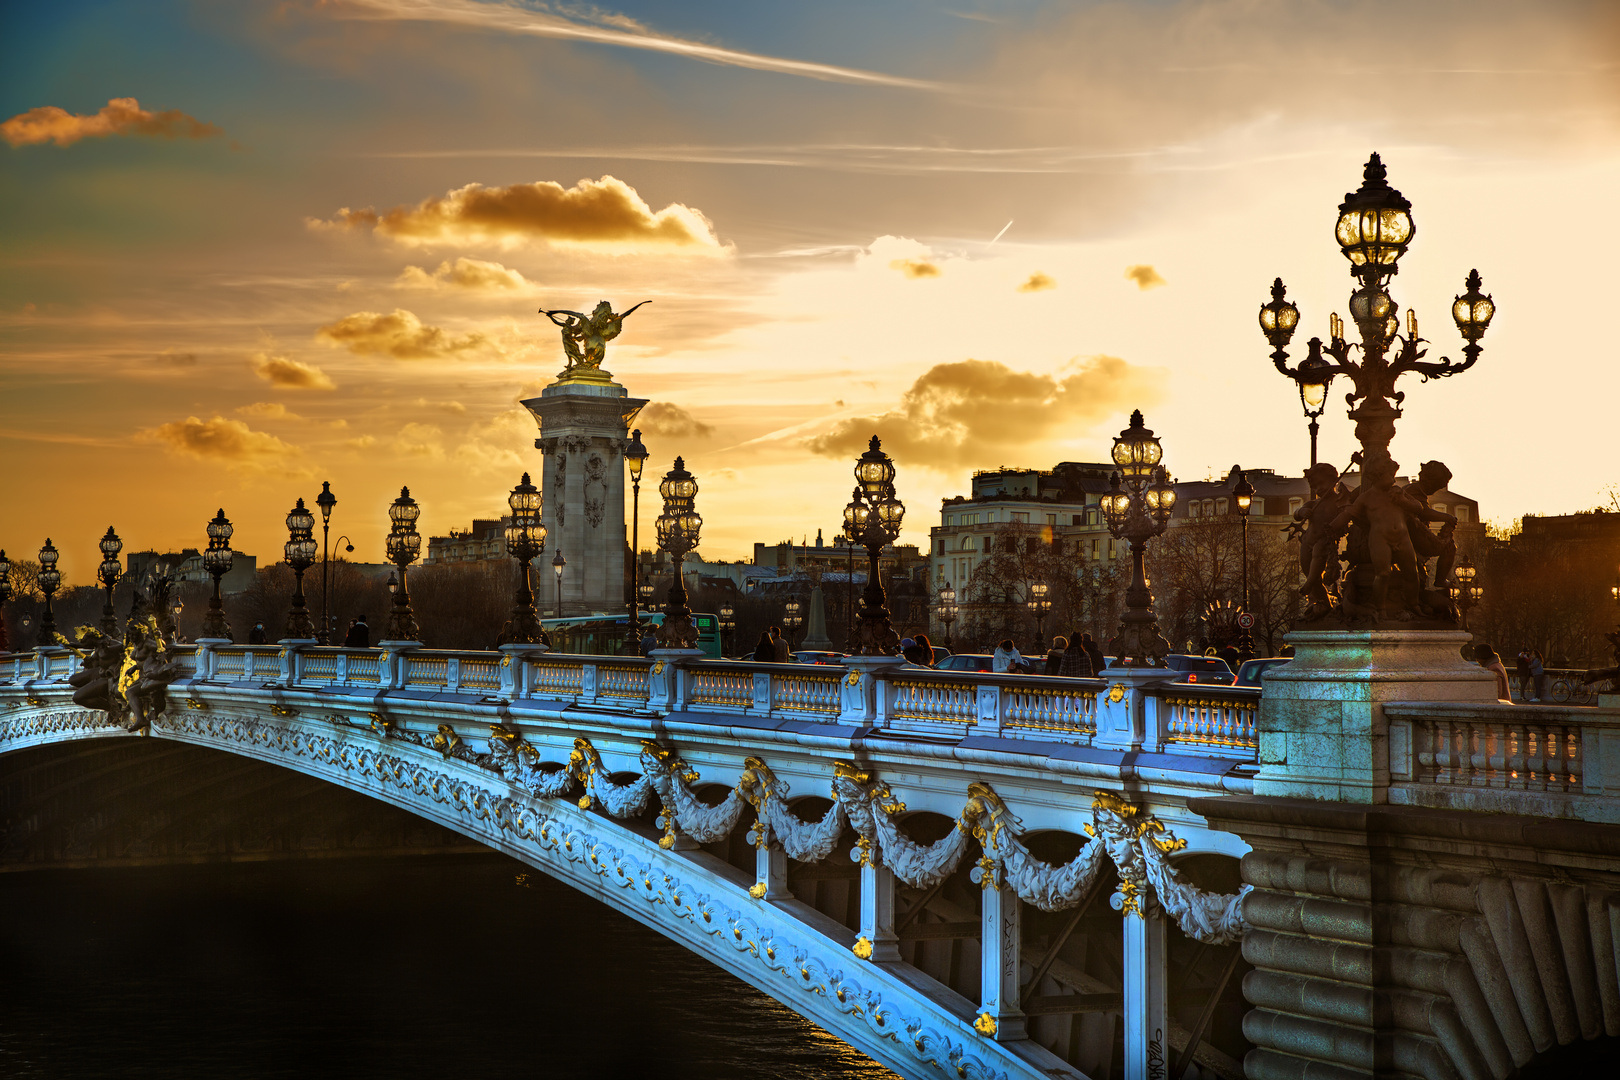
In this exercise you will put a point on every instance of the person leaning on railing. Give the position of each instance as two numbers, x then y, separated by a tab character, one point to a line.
1054	655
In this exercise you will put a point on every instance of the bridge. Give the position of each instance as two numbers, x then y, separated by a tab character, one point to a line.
993	876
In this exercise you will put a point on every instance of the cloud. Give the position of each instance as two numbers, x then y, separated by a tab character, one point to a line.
499	444
587	23
915	268
1145	277
672	422
419	440
361	442
400	335
120	116
466	273
221	439
455	408
605	213
268	410
1037	282
978	412
291	374
170	358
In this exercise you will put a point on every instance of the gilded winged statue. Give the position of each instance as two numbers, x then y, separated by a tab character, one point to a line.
585	337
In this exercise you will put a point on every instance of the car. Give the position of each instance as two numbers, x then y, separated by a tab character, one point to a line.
1252	671
815	656
940	653
966	661
1200	669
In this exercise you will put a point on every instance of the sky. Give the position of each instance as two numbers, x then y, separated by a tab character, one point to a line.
248	247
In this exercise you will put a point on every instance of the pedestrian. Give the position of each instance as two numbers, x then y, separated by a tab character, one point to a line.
359	635
1007	660
649	641
927	648
1098	660
256	635
1076	659
1521	672
765	651
784	647
1054	655
1538	672
912	654
1487	658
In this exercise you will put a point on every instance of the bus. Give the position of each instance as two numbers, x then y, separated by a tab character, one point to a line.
605	635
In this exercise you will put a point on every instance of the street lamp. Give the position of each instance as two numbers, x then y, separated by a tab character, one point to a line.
1242	502
947	610
326	500
635	456
1138	504
5	594
217	561
557	564
403	546
728	623
678	529
1374	229
792	618
50	579
873	519
1464	593
1039	605
525	539
300	554
109	572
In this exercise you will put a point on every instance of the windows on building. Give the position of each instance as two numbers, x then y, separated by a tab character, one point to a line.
1051	519
1294	505
1462	513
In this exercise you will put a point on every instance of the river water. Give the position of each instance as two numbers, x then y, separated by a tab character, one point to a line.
444	966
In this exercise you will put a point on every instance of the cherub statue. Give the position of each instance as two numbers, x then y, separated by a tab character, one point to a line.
1382	511
147	673
1318	538
585	337
1433	476
96	682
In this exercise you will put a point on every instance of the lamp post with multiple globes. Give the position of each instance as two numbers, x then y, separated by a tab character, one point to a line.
873	519
1242	504
326	501
792	618
635	456
1039	605
1137	505
404	544
947	609
300	554
1464	592
679	527
525	539
217	560
109	572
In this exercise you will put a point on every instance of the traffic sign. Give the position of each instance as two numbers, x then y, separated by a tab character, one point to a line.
1246	621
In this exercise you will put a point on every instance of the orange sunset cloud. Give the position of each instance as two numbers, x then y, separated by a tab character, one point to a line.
400	335
120	116
606	213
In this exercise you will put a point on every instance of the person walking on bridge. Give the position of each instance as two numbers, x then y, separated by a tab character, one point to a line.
359	635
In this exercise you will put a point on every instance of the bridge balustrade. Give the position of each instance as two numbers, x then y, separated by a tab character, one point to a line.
1205	719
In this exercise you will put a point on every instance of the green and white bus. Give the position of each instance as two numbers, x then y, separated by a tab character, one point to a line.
605	635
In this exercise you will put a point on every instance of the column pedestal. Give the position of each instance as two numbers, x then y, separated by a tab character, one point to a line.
1145	1043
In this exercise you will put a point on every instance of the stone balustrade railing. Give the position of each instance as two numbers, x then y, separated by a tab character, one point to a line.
872	692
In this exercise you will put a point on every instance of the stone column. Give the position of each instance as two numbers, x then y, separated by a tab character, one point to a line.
1001	1014
1145	1042
583	424
877	913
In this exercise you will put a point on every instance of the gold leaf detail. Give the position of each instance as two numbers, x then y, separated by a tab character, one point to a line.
863	949
985	1024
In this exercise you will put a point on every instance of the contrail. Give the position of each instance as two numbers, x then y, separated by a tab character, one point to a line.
1000	234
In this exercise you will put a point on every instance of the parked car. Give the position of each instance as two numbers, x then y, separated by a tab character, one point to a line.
940	653
966	661
1252	670
1200	669
814	656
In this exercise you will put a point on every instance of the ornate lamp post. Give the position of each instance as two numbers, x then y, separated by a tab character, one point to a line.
873	519
947	610
50	579
525	539
1464	593
646	591
728	623
1242	503
1137	505
325	500
300	554
1277	321
635	456
1374	230
792	618
404	545
1039	605
5	594
217	561
557	564
109	572
678	529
